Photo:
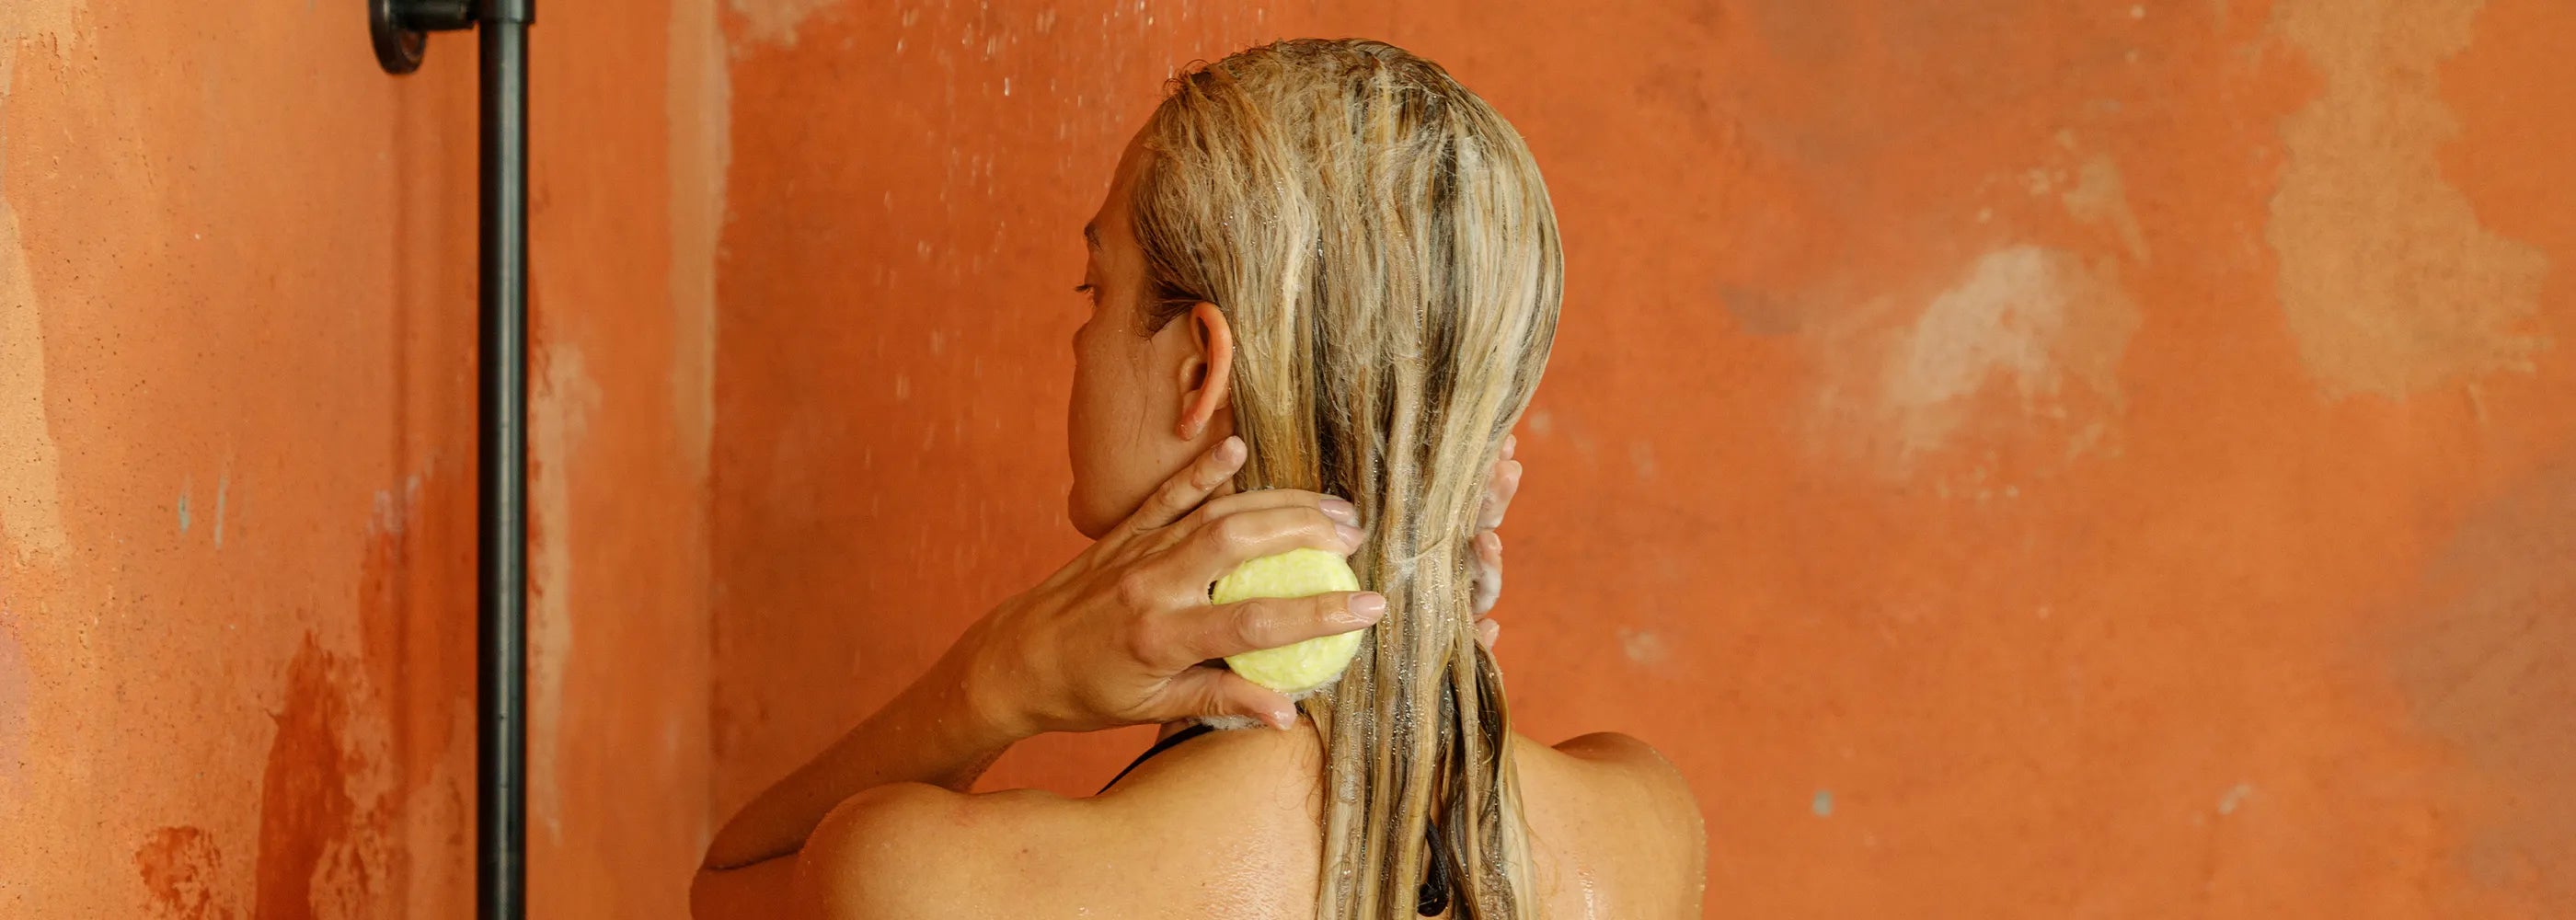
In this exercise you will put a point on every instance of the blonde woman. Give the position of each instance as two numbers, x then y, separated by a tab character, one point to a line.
1323	287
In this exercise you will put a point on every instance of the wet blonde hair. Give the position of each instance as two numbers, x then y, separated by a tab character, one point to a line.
1383	248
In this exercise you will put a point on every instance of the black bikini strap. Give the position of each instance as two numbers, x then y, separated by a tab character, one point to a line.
1169	742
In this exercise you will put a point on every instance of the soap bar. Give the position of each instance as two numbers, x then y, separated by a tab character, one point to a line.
1300	669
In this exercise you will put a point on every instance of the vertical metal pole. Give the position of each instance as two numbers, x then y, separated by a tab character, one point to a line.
501	877
397	29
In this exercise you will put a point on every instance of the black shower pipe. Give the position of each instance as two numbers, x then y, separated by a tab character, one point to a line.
399	31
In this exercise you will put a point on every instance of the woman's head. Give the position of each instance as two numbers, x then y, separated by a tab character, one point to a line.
1148	393
1311	187
1335	251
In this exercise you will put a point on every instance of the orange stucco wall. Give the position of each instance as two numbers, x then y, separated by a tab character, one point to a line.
237	463
2020	458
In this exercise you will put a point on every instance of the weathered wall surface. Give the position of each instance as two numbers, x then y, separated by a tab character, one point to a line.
237	463
2021	458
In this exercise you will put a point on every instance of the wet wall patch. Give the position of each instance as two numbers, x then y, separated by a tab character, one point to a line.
181	867
2487	660
320	852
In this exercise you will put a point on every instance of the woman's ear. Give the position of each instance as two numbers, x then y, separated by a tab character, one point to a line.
1207	378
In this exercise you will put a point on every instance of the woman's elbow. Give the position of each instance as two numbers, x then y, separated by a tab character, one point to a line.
757	890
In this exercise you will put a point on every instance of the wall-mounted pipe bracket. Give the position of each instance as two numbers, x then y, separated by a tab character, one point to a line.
401	28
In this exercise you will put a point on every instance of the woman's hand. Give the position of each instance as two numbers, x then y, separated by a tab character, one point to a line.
1123	634
1504	483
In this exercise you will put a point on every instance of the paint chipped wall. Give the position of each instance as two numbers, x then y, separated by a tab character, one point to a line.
237	463
2025	457
2021	458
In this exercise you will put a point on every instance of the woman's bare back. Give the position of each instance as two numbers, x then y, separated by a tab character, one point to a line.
1225	825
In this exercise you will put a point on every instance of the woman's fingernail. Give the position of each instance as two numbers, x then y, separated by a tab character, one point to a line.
1340	510
1351	536
1230	450
1283	719
1368	606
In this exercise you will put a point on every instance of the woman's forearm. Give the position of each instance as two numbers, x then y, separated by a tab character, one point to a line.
1113	638
936	731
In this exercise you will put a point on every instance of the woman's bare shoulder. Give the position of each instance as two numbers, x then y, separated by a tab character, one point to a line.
1227	821
1609	763
1614	829
1222	820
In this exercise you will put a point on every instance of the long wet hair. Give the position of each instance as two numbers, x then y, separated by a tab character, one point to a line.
1383	247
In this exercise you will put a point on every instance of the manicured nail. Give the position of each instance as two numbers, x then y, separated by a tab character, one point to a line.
1351	536
1510	441
1230	451
1367	606
1340	510
1283	719
1488	631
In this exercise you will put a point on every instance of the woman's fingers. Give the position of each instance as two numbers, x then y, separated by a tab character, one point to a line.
1499	489
1187	488
1206	633
1216	511
1489	572
1504	483
1488	632
1216	547
1267	499
1219	692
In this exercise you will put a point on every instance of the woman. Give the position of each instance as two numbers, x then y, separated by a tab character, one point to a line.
1322	267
